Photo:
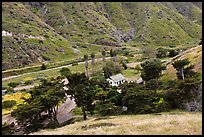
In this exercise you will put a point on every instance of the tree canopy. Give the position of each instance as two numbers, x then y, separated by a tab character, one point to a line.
151	69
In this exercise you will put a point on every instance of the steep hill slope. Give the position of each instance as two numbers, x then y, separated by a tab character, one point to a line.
71	29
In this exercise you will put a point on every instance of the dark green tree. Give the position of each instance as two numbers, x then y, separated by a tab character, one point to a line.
111	53
184	69
82	90
43	67
140	100
44	97
65	71
92	61
115	55
183	91
124	64
173	53
161	53
151	69
111	69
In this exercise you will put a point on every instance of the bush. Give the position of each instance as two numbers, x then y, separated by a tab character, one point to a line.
28	82
13	84
77	111
161	53
110	109
8	104
140	100
53	124
173	53
43	67
65	71
7	129
152	84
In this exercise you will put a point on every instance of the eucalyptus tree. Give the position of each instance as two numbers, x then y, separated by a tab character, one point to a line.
86	64
92	61
104	55
82	89
184	69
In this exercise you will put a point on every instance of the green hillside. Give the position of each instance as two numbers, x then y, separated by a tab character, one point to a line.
72	29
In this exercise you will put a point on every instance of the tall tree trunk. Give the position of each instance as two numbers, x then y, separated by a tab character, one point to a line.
84	113
86	67
92	63
181	72
103	58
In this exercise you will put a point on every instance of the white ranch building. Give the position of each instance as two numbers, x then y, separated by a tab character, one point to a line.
116	80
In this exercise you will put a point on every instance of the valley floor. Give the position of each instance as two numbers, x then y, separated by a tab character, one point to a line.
170	123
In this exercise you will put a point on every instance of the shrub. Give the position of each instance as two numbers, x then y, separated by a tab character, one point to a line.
110	109
77	111
173	53
13	84
53	124
140	100
65	71
152	84
43	67
161	53
7	129
28	82
8	104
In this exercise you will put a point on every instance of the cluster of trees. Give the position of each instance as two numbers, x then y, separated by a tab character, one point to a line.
94	96
113	54
185	88
162	52
44	98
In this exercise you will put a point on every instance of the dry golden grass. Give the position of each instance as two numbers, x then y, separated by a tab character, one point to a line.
165	124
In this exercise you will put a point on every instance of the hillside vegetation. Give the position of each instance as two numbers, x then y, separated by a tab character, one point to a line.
179	123
195	57
71	29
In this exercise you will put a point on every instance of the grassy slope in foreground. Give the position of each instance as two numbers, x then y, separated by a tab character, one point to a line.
182	123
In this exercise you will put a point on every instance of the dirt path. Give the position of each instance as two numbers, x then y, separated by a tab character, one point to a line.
24	87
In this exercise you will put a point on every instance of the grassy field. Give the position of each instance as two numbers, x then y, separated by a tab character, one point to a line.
167	123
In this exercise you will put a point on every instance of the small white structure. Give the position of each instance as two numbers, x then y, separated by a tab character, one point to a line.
116	80
140	81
